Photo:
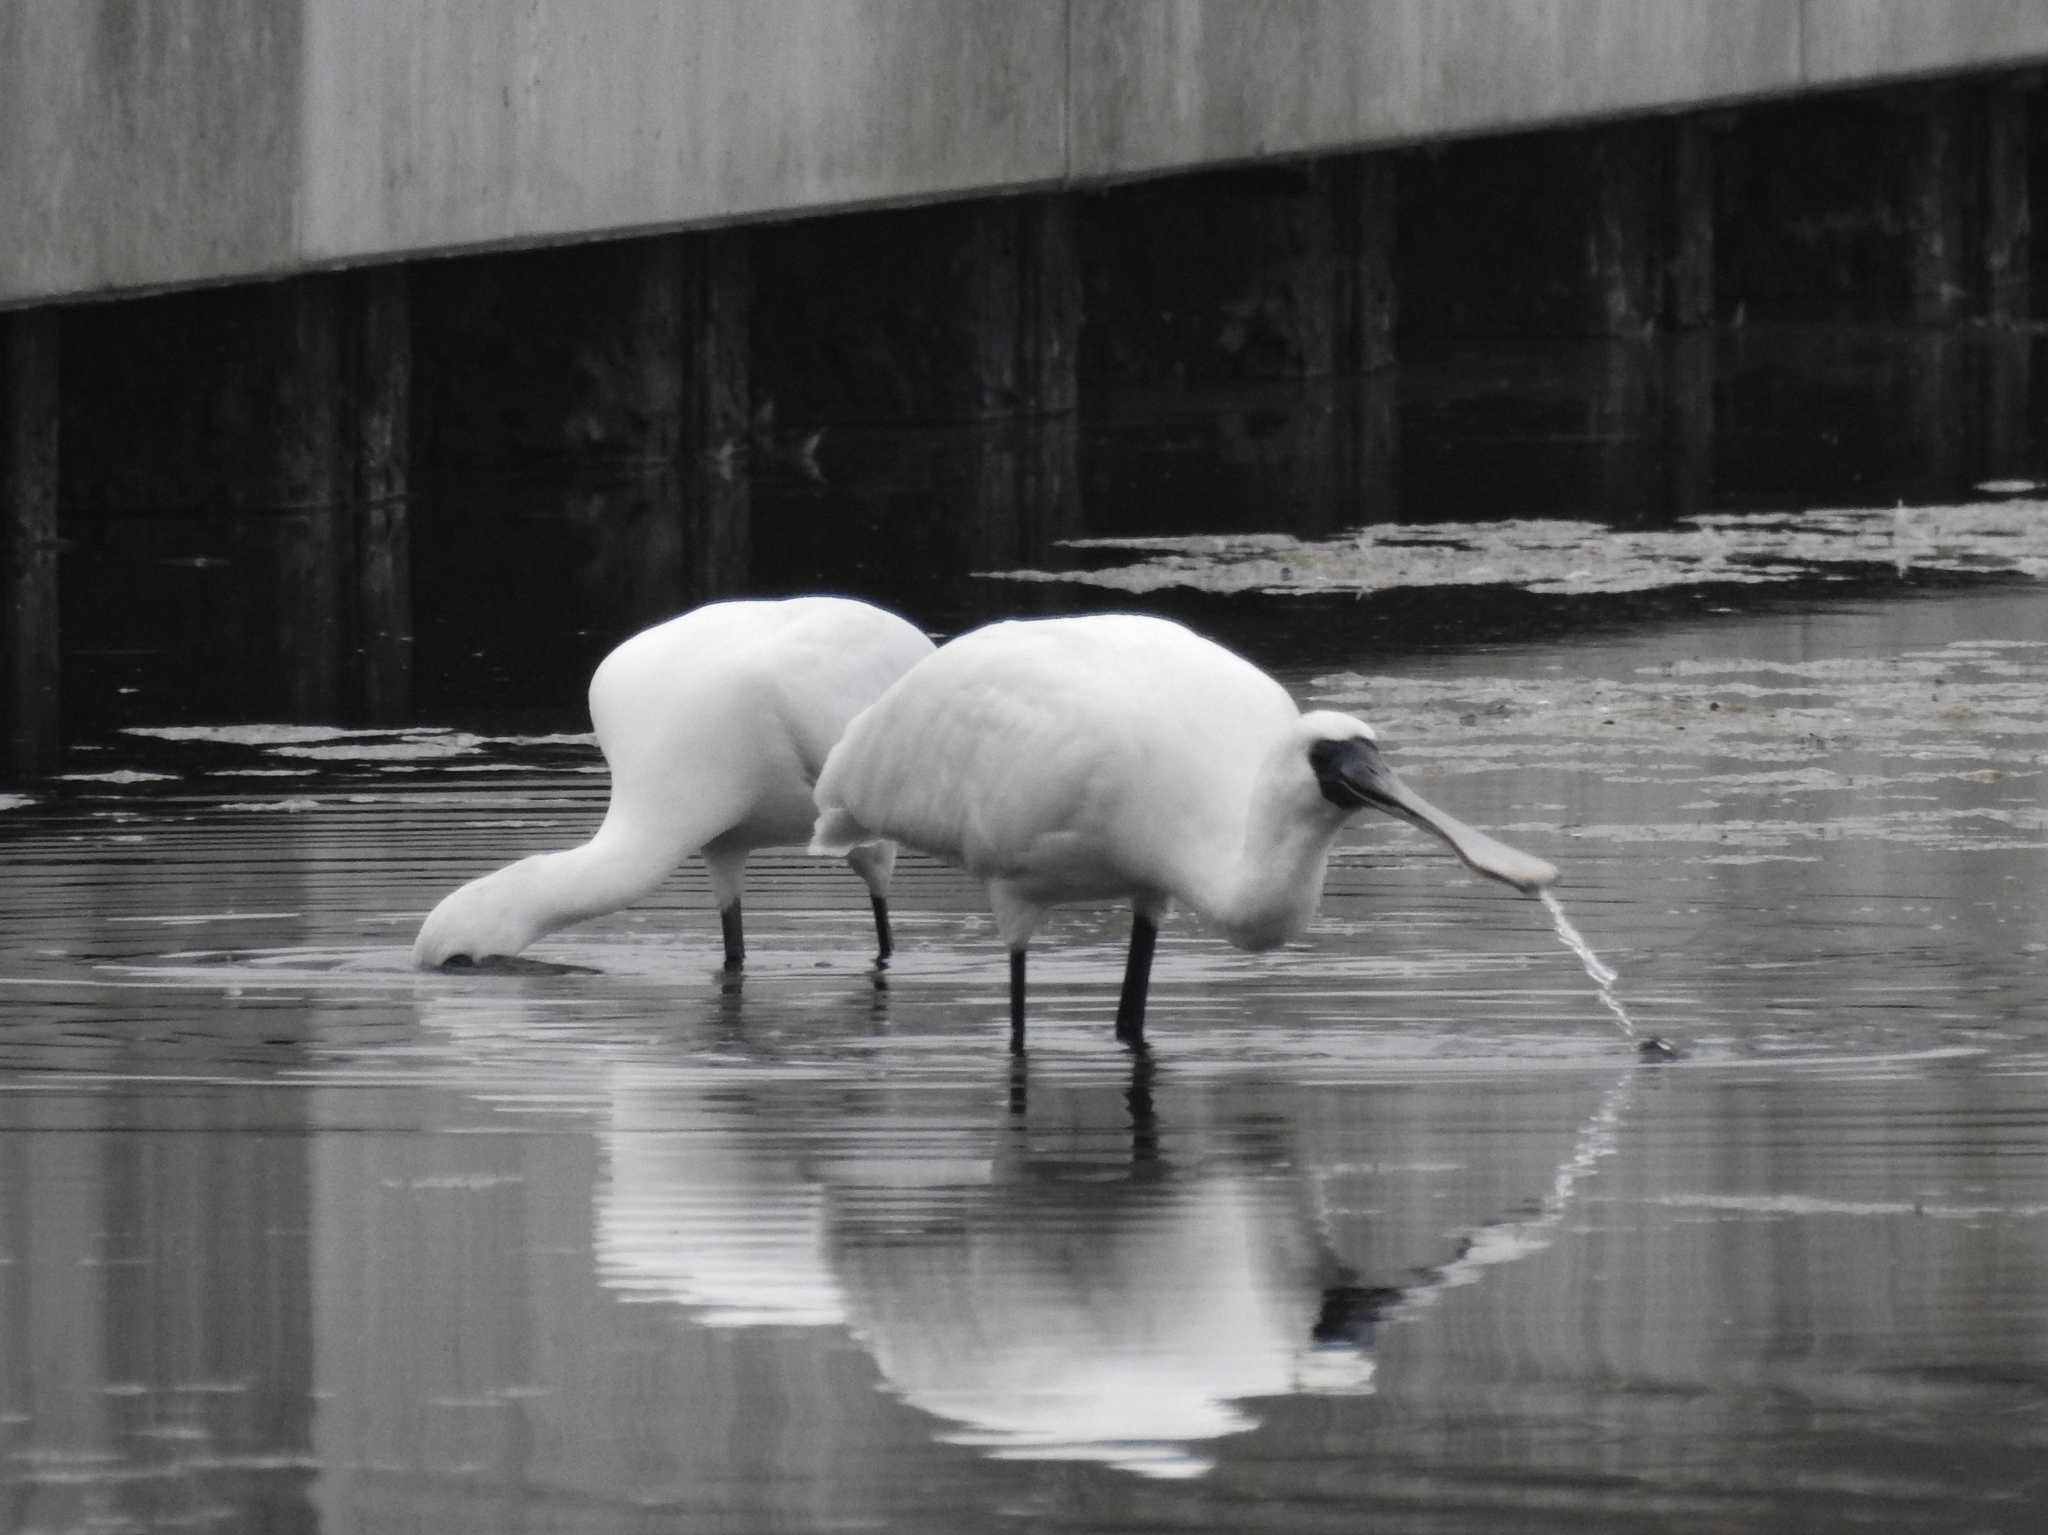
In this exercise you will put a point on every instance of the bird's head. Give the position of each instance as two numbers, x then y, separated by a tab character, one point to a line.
485	919
1344	755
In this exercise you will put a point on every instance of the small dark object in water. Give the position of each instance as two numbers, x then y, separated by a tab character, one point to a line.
1654	1049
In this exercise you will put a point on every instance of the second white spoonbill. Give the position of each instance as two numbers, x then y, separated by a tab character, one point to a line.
1117	756
715	726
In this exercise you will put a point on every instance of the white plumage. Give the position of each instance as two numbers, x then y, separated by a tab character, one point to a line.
1120	756
715	726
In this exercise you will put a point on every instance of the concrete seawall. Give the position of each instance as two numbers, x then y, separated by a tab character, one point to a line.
175	142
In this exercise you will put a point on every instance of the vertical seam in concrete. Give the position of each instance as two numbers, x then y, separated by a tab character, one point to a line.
1067	97
301	131
1801	49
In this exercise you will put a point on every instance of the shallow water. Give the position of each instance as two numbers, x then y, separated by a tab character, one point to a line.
1393	1229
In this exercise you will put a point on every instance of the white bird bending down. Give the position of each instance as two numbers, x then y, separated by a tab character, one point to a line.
1120	757
715	726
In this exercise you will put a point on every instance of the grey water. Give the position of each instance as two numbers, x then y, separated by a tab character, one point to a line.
1392	1229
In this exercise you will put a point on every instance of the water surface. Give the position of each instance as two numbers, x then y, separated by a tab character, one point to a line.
1392	1229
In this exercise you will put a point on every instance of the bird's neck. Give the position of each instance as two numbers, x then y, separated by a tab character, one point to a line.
1267	893
553	890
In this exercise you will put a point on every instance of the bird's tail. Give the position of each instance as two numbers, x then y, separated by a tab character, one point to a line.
837	833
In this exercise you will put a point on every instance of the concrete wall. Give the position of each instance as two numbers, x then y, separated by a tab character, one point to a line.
1846	41
1162	83
160	142
146	143
475	121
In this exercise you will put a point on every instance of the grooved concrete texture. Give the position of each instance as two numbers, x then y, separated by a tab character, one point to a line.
1847	41
473	121
146	142
1162	83
155	143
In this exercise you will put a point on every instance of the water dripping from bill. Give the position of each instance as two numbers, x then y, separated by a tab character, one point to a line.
1603	976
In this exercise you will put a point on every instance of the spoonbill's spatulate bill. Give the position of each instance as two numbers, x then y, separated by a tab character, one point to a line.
715	726
1121	757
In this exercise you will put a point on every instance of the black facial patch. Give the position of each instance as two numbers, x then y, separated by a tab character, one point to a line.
1345	770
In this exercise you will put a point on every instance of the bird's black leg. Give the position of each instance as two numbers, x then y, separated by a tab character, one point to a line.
883	946
1130	1005
735	945
1144	1123
1020	1088
1016	1001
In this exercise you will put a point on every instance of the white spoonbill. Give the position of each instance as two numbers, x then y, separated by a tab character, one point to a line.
1116	756
714	725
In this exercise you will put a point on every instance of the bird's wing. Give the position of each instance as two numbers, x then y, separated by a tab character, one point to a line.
1074	747
827	662
733	707
984	747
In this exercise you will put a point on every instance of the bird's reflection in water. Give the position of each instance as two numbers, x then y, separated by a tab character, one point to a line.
1088	1272
1095	1300
1052	1286
711	1221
